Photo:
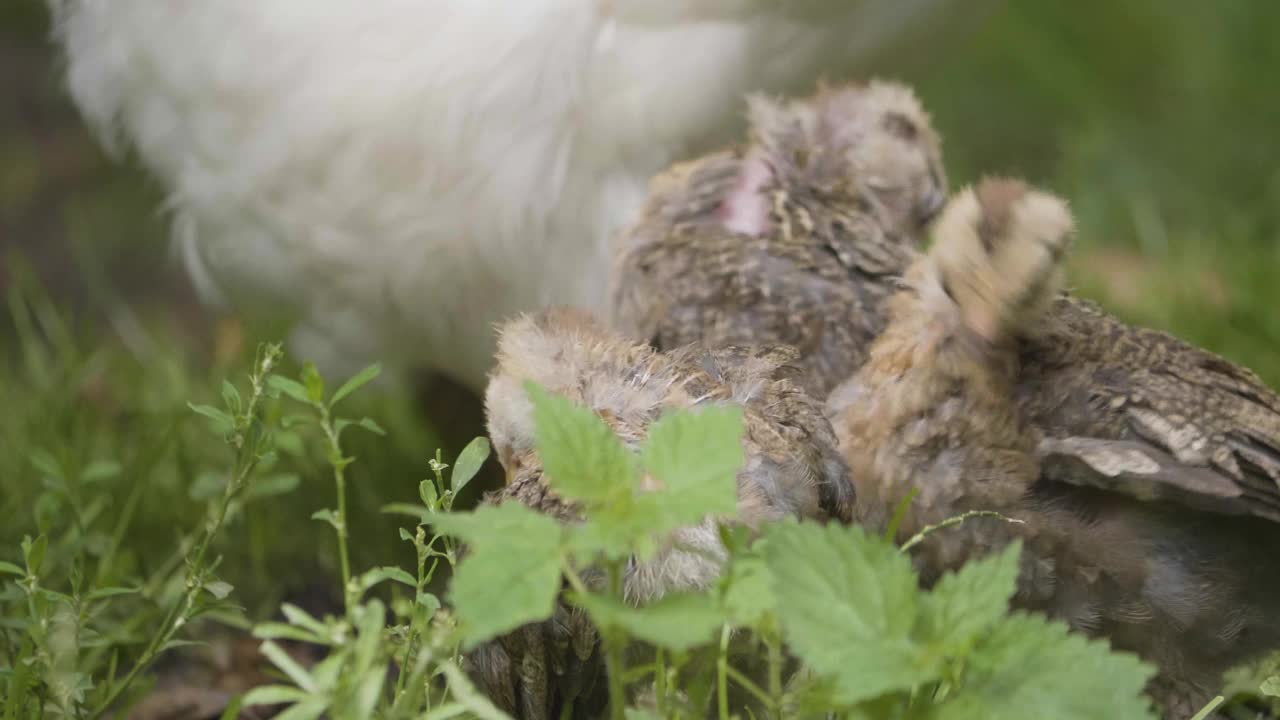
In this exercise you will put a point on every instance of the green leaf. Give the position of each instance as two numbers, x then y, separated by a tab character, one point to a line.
108	592
582	458
381	574
276	630
219	588
677	621
273	695
964	604
1029	667
512	574
696	456
281	484
288	666
356	382
222	422
292	388
309	709
418	512
33	552
313	383
469	462
371	426
10	569
326	515
230	395
851	603
427	491
100	470
748	595
1271	686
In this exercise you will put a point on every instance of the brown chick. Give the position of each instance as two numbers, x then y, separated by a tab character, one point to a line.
1144	470
792	469
768	244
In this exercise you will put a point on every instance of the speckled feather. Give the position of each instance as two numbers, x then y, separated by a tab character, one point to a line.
768	244
1076	425
792	469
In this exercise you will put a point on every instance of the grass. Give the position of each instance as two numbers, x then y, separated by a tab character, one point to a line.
1154	118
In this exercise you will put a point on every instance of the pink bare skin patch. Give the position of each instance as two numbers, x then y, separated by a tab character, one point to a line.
746	209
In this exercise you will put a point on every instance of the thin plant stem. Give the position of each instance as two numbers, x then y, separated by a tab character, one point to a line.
247	442
340	480
1213	705
775	674
952	521
722	673
746	684
615	663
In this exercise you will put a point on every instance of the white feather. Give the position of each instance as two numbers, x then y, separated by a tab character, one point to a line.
397	175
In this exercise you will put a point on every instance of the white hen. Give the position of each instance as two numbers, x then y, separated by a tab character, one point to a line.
397	175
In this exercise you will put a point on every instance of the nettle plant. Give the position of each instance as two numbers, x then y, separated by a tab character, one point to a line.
831	619
846	603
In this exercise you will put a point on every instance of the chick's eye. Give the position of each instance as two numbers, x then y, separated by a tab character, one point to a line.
900	126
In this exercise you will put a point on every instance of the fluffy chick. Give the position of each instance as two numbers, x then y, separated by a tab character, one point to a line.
770	243
792	467
1128	534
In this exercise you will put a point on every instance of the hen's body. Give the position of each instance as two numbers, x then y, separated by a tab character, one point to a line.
792	468
1138	465
397	175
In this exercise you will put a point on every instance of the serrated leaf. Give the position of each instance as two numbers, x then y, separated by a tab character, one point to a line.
748	595
8	568
223	423
512	574
290	387
356	382
964	604
677	621
851	604
581	457
427	491
381	574
1027	666
469	462
1271	686
696	456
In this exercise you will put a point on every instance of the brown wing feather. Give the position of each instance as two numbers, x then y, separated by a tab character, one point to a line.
1151	415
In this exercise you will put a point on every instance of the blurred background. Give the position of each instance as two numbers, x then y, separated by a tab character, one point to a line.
1155	118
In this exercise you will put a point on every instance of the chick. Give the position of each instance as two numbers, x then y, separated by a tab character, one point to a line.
792	468
790	240
395	175
1144	471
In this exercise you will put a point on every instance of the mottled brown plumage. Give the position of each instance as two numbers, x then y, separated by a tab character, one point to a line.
1143	469
792	469
770	243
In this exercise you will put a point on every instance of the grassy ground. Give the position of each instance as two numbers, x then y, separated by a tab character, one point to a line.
1155	118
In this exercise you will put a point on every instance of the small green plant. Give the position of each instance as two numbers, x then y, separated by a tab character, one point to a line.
848	604
58	670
